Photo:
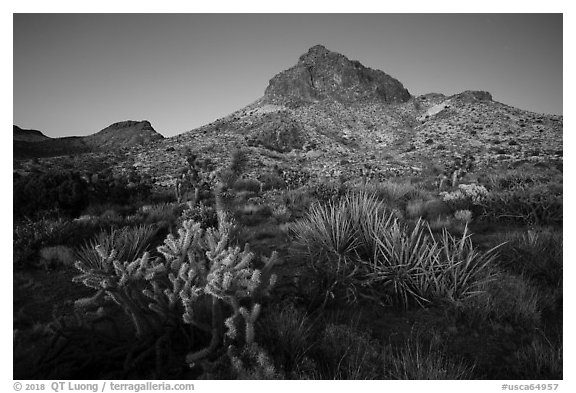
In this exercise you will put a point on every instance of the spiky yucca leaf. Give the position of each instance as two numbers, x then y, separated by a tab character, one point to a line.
403	264
128	242
465	268
327	228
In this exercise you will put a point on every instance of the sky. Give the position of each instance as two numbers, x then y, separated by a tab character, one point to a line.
75	74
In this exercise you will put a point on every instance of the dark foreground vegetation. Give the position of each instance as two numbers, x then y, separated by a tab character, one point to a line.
228	277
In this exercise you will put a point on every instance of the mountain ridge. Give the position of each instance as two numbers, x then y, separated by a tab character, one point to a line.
118	135
346	129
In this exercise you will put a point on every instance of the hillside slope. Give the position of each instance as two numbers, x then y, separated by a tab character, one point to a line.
329	116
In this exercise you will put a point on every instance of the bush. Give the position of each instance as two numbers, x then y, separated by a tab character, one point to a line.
395	195
464	216
537	254
161	212
70	192
272	181
128	243
506	298
251	185
203	214
466	197
540	360
56	256
528	206
29	236
413	361
65	191
347	353
288	333
325	192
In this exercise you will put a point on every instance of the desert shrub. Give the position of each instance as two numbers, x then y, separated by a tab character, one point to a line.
467	197
203	214
325	192
506	298
434	209
167	212
128	243
251	185
512	180
71	192
395	195
272	181
535	253
464	216
539	360
251	214
281	213
288	333
439	224
528	206
415	208
345	352
56	256
298	201
29	236
65	191
415	361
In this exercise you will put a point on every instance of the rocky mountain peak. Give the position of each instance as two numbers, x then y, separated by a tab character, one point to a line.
321	74
314	54
475	95
131	124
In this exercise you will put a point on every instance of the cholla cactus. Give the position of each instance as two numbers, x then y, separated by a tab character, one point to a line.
121	282
196	264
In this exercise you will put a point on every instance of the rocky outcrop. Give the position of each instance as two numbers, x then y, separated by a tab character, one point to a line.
324	75
475	95
124	134
22	135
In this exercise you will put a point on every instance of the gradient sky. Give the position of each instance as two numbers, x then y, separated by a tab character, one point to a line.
75	74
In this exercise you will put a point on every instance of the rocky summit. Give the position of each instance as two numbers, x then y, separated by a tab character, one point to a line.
321	74
124	134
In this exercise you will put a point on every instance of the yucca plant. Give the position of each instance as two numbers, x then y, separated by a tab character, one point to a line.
403	265
337	235
129	243
359	245
372	219
327	229
465	269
